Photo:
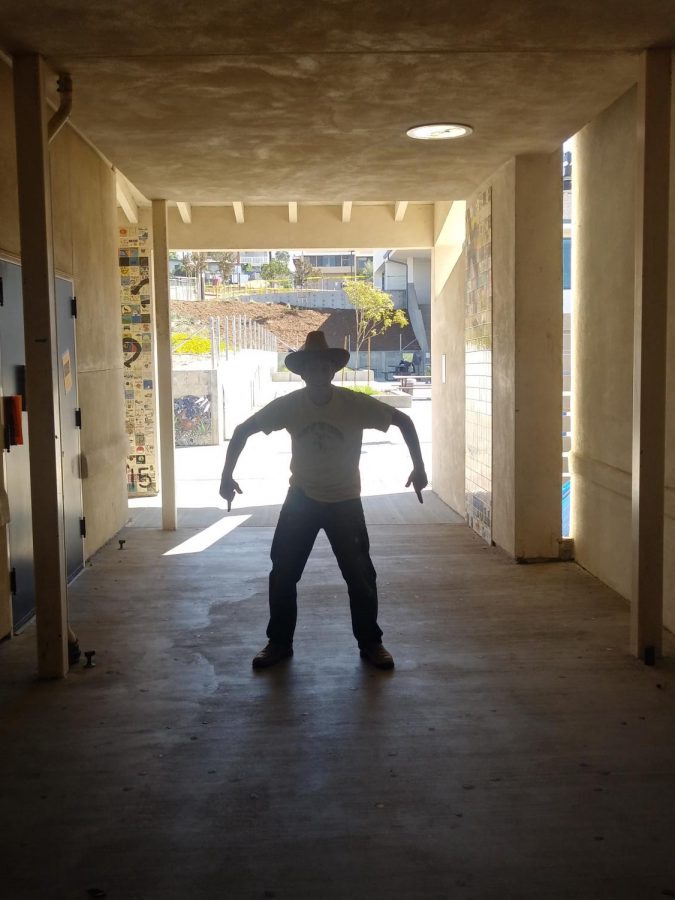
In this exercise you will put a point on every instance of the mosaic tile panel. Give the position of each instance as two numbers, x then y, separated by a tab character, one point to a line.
478	365
139	368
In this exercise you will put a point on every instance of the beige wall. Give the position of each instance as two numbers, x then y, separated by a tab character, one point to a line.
503	184
447	447
85	208
603	290
85	249
603	272
448	270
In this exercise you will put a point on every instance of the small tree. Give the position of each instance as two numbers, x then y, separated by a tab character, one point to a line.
275	270
304	270
283	256
194	264
374	311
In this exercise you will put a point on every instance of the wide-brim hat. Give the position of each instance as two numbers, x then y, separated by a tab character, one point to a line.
316	347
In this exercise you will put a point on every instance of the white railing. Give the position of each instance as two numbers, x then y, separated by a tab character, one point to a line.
182	288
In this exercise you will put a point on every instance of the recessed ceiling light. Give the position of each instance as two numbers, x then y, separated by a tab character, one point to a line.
441	131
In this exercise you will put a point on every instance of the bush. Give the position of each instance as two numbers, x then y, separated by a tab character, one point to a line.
362	389
194	346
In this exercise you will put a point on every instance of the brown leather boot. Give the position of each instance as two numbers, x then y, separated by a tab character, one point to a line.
378	655
271	655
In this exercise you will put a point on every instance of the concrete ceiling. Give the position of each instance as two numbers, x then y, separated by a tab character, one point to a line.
271	102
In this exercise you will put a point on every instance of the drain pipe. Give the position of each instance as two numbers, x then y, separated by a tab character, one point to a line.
62	114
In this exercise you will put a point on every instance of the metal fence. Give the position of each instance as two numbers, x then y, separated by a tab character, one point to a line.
181	288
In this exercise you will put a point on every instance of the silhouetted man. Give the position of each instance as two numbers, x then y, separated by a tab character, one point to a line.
326	425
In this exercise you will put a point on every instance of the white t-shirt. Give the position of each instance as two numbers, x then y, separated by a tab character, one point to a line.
326	439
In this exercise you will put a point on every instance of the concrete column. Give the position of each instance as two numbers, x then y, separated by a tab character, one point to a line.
160	271
42	368
649	351
527	355
538	356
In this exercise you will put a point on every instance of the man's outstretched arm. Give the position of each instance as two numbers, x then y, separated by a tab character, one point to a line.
243	431
418	476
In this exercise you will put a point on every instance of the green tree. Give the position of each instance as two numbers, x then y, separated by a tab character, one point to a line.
366	271
283	256
276	270
226	260
374	311
304	270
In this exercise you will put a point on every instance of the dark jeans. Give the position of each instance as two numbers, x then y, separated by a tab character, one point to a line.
300	521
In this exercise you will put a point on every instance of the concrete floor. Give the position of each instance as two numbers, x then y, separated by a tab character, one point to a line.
516	751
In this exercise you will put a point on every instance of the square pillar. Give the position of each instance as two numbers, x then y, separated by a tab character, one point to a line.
160	263
527	356
42	369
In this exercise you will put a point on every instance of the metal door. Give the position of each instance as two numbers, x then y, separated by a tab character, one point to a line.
17	471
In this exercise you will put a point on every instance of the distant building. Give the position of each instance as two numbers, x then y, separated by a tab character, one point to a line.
335	266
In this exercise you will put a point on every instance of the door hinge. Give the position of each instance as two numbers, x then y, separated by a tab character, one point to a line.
12	581
2	292
78	418
83	527
73	307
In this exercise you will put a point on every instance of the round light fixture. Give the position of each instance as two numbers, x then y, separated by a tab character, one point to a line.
440	131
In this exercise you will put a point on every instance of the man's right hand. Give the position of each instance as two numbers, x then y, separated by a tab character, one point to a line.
228	488
418	479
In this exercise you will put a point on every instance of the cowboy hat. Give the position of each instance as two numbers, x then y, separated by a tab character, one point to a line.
316	348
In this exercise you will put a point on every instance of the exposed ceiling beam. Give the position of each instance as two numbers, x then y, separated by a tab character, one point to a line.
293	212
399	210
238	208
124	198
185	211
346	211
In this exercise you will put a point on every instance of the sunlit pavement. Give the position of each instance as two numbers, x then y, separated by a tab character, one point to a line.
263	468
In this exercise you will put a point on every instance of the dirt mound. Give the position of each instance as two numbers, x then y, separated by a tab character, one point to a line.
289	324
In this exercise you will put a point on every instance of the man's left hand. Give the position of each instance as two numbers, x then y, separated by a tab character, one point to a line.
418	479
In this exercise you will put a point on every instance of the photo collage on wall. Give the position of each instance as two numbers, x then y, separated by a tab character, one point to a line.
139	369
478	365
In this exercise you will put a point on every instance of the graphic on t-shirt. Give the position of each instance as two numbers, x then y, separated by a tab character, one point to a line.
321	436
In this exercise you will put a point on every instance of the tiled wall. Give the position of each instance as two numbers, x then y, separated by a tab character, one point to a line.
139	369
478	365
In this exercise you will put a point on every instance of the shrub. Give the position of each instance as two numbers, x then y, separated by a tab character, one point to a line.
362	389
194	346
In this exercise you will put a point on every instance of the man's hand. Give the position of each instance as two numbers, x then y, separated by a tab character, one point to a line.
418	479
228	488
